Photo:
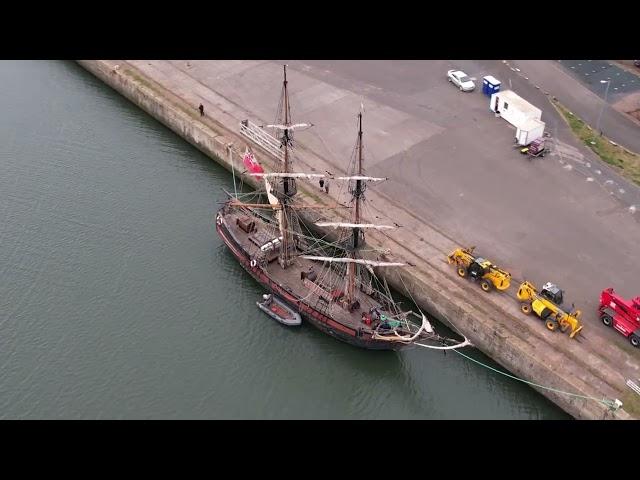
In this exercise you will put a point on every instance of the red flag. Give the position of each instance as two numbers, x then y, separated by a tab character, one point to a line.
251	163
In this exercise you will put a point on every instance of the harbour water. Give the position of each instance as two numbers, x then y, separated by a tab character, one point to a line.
118	299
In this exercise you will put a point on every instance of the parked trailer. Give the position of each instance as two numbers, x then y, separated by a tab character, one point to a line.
519	113
513	108
531	130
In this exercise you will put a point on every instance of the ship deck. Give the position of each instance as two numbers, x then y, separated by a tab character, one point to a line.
320	294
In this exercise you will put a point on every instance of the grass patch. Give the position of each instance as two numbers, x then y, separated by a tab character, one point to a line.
631	403
625	162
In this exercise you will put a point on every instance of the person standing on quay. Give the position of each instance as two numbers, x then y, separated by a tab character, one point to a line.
201	108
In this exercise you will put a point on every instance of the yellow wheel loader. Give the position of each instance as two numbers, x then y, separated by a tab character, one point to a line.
552	315
478	268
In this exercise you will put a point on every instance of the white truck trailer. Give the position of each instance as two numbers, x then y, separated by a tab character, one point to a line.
519	113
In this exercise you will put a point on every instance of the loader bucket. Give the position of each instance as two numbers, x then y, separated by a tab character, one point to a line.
575	332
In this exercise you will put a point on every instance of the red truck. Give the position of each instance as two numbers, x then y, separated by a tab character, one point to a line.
621	314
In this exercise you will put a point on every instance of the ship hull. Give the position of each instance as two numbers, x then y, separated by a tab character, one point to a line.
324	323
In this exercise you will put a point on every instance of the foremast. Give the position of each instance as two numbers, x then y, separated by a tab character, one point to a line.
288	183
280	193
285	257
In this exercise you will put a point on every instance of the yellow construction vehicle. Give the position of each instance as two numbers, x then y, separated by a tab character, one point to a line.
478	268
547	310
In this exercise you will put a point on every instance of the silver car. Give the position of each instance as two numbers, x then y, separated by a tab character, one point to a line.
461	80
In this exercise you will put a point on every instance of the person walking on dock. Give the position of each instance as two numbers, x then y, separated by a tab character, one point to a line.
321	182
326	185
201	108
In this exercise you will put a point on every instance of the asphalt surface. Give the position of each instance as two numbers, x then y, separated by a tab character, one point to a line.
583	94
592	72
451	162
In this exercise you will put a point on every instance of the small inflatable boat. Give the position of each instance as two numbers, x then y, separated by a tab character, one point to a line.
277	309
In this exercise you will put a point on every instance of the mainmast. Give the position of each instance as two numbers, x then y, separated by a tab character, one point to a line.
357	194
357	186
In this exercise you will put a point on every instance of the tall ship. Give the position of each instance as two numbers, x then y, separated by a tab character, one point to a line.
328	282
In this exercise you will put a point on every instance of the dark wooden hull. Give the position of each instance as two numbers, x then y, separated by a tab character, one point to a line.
324	323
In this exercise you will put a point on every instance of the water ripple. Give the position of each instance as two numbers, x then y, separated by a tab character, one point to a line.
118	299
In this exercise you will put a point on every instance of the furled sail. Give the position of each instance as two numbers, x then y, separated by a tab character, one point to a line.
288	175
290	127
361	177
361	261
353	225
273	200
407	338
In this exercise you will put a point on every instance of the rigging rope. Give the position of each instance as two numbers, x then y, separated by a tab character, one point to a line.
613	404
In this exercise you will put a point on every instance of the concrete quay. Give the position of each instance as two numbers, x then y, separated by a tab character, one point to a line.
416	142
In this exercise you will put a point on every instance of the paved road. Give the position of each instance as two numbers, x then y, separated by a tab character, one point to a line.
582	93
591	72
450	161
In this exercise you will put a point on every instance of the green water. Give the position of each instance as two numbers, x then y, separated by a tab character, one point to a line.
118	299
